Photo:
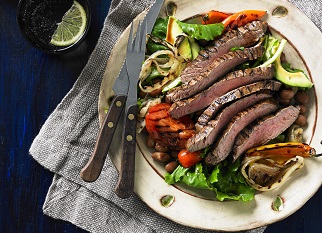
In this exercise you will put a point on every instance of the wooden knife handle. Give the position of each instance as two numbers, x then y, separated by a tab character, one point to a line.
125	185
93	168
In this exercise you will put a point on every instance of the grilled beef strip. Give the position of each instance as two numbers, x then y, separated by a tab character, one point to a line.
231	81
244	36
219	67
262	131
235	94
224	144
209	133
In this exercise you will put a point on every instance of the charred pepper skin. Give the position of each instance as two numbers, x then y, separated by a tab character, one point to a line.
287	149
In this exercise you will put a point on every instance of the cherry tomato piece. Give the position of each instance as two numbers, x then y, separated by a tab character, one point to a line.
188	159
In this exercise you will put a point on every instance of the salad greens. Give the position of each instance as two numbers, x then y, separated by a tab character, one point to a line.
199	31
160	31
225	180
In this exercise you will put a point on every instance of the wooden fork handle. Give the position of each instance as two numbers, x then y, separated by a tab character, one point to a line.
125	185
93	168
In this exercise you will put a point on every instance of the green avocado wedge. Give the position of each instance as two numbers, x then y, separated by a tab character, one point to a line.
296	79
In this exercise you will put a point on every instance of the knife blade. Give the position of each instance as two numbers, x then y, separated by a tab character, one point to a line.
125	185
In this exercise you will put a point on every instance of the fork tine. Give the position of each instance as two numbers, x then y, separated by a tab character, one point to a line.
129	45
143	37
137	39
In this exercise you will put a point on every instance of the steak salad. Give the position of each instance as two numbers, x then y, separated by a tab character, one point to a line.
223	108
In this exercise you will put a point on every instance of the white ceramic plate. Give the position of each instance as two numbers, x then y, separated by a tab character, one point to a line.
303	35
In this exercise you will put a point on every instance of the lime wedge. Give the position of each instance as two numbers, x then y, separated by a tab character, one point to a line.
72	26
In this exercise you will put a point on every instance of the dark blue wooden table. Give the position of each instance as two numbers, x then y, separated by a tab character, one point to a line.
31	85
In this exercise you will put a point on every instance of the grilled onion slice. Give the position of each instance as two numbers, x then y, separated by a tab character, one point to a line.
269	172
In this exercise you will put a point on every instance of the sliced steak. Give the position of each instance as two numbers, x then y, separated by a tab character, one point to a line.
219	67
209	133
263	130
235	94
231	81
243	36
224	144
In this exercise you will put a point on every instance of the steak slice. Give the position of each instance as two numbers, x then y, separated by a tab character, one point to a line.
243	36
262	131
224	144
231	81
219	67
209	133
235	94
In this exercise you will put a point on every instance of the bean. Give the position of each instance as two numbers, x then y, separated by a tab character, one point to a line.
302	109
161	157
174	154
155	92
171	166
301	120
301	97
161	148
287	94
150	142
284	101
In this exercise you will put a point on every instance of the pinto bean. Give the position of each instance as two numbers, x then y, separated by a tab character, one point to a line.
301	120
174	154
161	157
160	148
284	101
302	109
150	142
156	92
171	166
301	97
287	94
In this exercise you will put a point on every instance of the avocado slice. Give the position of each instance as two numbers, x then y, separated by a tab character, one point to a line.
188	47
195	48
297	79
173	30
172	84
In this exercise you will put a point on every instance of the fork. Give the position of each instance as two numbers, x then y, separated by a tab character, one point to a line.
134	57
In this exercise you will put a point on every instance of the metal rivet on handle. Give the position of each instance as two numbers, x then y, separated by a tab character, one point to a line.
118	103
131	116
129	138
110	124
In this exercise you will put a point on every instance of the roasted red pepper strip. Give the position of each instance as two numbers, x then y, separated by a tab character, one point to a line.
289	150
172	133
241	18
188	159
214	17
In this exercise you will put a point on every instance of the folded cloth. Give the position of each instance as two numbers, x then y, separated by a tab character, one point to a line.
67	138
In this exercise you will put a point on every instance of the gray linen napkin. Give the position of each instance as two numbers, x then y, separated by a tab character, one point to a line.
68	136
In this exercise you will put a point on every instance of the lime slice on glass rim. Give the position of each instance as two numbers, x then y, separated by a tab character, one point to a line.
72	26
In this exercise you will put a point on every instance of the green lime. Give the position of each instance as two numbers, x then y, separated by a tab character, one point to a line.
72	26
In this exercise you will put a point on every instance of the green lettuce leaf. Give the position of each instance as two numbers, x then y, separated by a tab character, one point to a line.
199	31
225	180
159	30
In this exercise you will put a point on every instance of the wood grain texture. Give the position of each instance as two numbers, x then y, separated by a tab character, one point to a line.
31	85
93	168
125	184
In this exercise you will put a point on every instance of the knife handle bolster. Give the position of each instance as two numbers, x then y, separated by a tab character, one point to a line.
125	185
93	168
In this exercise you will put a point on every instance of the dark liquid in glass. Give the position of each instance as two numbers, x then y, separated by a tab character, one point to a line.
38	20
